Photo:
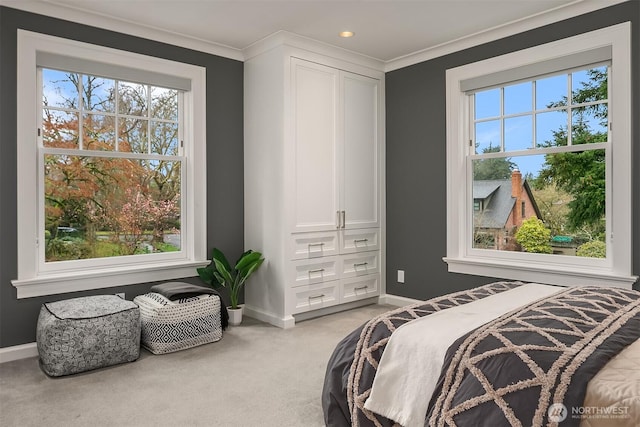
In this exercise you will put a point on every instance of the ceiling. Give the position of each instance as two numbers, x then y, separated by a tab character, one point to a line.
384	29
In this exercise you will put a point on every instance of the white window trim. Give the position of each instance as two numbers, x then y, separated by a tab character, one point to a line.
31	281
553	269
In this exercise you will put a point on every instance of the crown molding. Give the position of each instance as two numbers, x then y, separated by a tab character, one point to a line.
49	8
45	7
576	8
285	38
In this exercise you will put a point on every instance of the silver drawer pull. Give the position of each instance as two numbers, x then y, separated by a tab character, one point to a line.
360	288
319	270
315	297
362	264
356	241
315	244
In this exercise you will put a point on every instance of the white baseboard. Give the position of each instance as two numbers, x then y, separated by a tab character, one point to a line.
334	309
396	300
263	316
17	352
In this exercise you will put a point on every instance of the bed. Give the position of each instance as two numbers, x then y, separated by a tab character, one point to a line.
547	356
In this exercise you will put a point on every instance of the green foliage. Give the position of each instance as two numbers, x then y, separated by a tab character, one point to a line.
164	247
581	174
492	169
534	237
220	273
593	249
67	248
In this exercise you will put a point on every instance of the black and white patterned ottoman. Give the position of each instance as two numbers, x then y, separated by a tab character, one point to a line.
172	325
81	334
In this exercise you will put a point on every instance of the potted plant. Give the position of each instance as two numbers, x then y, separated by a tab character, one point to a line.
219	273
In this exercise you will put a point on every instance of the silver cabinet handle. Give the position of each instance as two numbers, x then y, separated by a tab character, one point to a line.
362	264
315	297
310	245
343	219
356	241
318	270
360	288
338	219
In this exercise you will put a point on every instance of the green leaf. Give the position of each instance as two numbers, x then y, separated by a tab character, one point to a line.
206	275
219	256
223	271
247	260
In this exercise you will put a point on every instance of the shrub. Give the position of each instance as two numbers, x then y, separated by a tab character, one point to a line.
534	237
593	249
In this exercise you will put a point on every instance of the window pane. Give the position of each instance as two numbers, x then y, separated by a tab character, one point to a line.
517	98
132	99
589	85
59	129
551	92
60	89
551	129
488	136
98	94
518	133
103	207
587	127
164	103
133	136
164	138
551	203
98	132
487	104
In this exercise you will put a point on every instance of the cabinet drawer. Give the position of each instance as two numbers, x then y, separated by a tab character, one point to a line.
361	264
360	287
313	297
362	240
306	272
313	245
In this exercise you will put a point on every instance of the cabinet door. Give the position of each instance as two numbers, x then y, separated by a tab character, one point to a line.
314	105
360	151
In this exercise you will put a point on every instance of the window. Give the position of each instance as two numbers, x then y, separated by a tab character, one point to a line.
546	132
109	183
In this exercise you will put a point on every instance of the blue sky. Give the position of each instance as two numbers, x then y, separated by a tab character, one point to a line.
518	116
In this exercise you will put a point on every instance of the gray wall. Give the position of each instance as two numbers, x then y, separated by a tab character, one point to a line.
416	155
224	155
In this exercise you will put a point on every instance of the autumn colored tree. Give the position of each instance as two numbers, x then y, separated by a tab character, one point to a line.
97	192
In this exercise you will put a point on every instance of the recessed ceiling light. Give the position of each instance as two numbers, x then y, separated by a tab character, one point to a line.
347	34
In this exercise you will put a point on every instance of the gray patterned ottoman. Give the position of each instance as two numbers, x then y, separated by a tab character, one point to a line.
172	325
86	333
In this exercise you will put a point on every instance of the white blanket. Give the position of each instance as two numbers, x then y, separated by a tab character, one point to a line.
412	360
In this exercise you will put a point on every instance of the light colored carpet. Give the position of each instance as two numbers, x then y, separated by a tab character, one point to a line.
257	375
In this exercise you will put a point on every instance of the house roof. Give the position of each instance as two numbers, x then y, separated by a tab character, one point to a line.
498	203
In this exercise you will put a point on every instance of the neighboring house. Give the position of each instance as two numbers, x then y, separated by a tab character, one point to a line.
499	207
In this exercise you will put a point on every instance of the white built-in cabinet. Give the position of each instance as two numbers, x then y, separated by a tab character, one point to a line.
312	184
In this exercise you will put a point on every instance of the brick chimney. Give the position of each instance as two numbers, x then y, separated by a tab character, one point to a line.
516	193
516	184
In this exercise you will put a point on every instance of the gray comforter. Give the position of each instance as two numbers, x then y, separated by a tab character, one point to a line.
523	368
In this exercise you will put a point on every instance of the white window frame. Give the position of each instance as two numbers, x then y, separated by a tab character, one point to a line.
616	269
36	279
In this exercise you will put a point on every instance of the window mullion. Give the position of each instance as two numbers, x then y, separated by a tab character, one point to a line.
534	130
149	127
569	109
80	113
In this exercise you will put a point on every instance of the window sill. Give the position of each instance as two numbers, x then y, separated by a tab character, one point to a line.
539	273
104	278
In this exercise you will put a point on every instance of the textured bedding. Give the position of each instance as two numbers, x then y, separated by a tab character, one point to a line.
613	394
550	353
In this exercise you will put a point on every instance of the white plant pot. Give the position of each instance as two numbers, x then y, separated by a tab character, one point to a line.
235	315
